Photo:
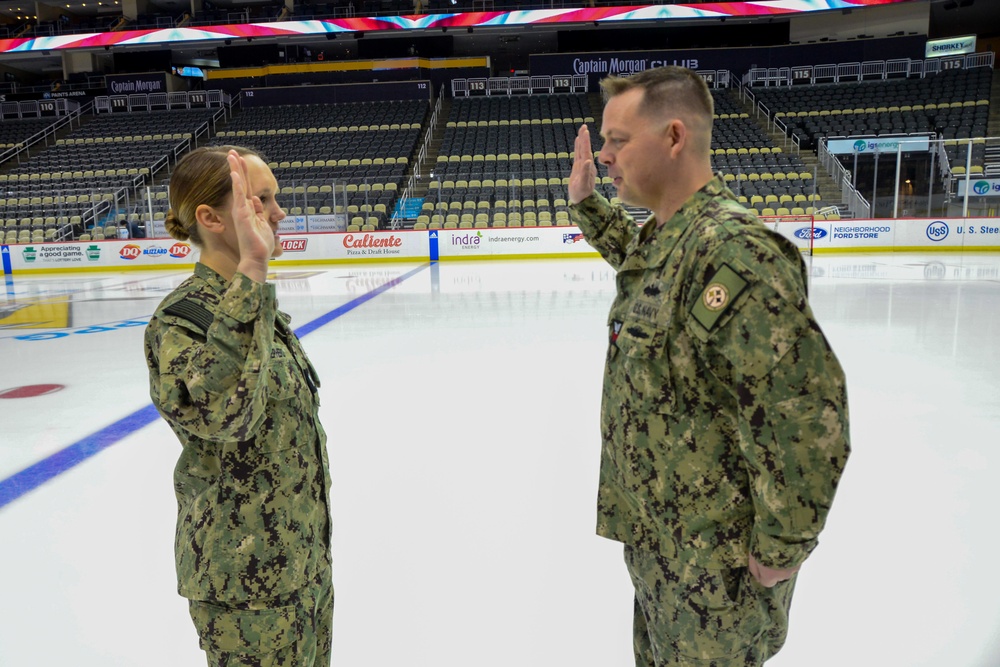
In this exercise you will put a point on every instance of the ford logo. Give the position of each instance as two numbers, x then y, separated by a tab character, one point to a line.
807	232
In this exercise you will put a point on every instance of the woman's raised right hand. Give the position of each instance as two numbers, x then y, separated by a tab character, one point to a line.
254	234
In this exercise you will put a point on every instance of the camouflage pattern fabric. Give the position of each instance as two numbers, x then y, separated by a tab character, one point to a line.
290	630
692	617
724	411
252	481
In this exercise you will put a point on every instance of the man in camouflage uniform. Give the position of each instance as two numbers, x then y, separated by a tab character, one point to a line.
724	412
252	482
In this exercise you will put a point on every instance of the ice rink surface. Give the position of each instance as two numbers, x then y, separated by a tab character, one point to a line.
462	408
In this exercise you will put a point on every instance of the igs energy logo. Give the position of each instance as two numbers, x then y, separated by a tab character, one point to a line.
860	145
983	187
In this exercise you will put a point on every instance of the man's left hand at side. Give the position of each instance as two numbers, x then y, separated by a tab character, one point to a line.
767	576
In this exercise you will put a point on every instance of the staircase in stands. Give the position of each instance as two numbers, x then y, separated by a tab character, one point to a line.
826	186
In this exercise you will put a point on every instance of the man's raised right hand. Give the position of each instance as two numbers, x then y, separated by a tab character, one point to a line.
583	178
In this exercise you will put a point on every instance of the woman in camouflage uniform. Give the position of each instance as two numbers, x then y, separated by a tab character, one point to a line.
232	380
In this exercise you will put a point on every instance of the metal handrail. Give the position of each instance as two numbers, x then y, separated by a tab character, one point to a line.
780	125
856	203
421	158
43	135
855	71
577	83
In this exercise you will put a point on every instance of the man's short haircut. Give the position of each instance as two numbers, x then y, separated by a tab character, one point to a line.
666	89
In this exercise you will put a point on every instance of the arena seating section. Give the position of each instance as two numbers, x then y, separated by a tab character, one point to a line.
504	162
16	131
755	168
70	187
335	158
953	104
501	160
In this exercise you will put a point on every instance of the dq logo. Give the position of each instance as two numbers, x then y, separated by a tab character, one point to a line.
860	145
130	252
180	250
981	187
937	231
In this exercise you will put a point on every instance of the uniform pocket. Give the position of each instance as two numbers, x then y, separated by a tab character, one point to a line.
244	632
722	615
645	366
702	616
283	379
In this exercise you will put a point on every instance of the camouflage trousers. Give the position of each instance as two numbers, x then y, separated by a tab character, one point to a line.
687	616
290	630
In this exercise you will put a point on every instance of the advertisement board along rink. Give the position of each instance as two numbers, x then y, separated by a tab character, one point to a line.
901	235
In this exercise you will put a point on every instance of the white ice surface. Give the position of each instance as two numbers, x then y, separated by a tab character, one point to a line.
462	409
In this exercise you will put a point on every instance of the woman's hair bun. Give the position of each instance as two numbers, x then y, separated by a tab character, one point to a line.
175	228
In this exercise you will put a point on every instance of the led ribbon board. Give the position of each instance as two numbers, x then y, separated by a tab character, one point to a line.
717	10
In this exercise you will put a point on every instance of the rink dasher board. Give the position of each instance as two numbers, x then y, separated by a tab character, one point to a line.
907	235
902	235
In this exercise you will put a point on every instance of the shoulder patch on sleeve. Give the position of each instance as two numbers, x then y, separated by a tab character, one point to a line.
715	299
193	312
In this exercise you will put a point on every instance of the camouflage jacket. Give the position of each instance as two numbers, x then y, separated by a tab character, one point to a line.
252	482
724	410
